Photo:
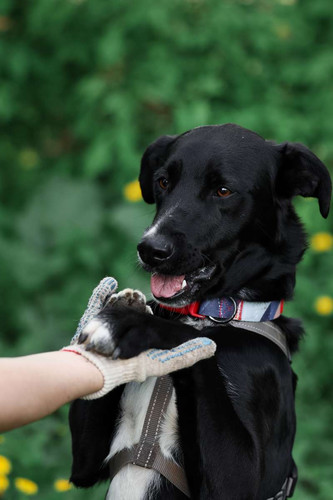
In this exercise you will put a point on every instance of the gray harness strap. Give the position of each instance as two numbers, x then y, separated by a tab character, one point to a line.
288	487
147	453
266	329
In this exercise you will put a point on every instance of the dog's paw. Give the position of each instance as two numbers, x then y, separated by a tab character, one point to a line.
101	333
97	336
130	298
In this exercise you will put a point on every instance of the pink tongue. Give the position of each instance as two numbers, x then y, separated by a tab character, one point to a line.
166	286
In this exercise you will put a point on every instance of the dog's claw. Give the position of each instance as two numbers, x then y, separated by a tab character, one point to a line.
89	347
116	353
82	338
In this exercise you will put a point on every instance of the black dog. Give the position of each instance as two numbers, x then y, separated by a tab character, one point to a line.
225	227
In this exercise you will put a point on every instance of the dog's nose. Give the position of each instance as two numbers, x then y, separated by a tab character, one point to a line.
155	250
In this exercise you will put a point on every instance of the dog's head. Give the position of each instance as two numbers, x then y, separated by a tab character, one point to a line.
225	224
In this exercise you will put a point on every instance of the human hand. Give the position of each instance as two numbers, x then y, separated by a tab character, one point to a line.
154	362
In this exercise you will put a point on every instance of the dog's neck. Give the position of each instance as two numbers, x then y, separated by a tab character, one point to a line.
225	309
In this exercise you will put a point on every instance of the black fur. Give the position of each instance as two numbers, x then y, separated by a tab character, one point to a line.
236	410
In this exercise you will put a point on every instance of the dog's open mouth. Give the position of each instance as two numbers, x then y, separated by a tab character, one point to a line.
183	288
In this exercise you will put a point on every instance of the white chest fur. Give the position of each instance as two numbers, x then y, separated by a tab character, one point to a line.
132	482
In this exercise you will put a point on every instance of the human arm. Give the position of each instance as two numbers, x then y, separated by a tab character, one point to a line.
32	387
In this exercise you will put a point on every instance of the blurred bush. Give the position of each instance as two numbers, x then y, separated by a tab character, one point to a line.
84	87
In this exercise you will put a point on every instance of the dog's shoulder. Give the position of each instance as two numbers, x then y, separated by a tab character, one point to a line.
293	330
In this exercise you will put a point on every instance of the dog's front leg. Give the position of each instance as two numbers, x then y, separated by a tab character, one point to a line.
126	327
126	333
220	452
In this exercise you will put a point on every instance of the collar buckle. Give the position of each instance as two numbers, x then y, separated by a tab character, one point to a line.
193	309
226	320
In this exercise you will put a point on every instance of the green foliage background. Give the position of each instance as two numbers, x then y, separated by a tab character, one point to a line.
85	86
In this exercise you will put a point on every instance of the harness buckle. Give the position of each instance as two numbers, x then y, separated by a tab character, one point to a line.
292	481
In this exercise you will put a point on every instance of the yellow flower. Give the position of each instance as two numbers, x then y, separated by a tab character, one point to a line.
322	242
324	305
288	2
5	466
132	191
28	158
5	23
62	485
4	484
26	486
283	31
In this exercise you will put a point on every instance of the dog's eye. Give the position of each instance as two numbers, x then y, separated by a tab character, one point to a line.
163	182
223	192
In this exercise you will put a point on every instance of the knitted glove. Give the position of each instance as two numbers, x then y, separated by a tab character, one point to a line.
99	298
155	362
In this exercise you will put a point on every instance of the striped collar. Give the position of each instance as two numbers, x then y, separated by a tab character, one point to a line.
226	309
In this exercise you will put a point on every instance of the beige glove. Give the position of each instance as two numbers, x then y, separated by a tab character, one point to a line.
99	298
152	363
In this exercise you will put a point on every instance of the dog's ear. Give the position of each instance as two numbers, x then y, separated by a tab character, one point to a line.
302	173
154	156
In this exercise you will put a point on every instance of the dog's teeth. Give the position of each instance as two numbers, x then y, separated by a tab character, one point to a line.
184	284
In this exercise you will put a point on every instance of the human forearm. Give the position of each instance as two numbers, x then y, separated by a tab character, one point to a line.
32	387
